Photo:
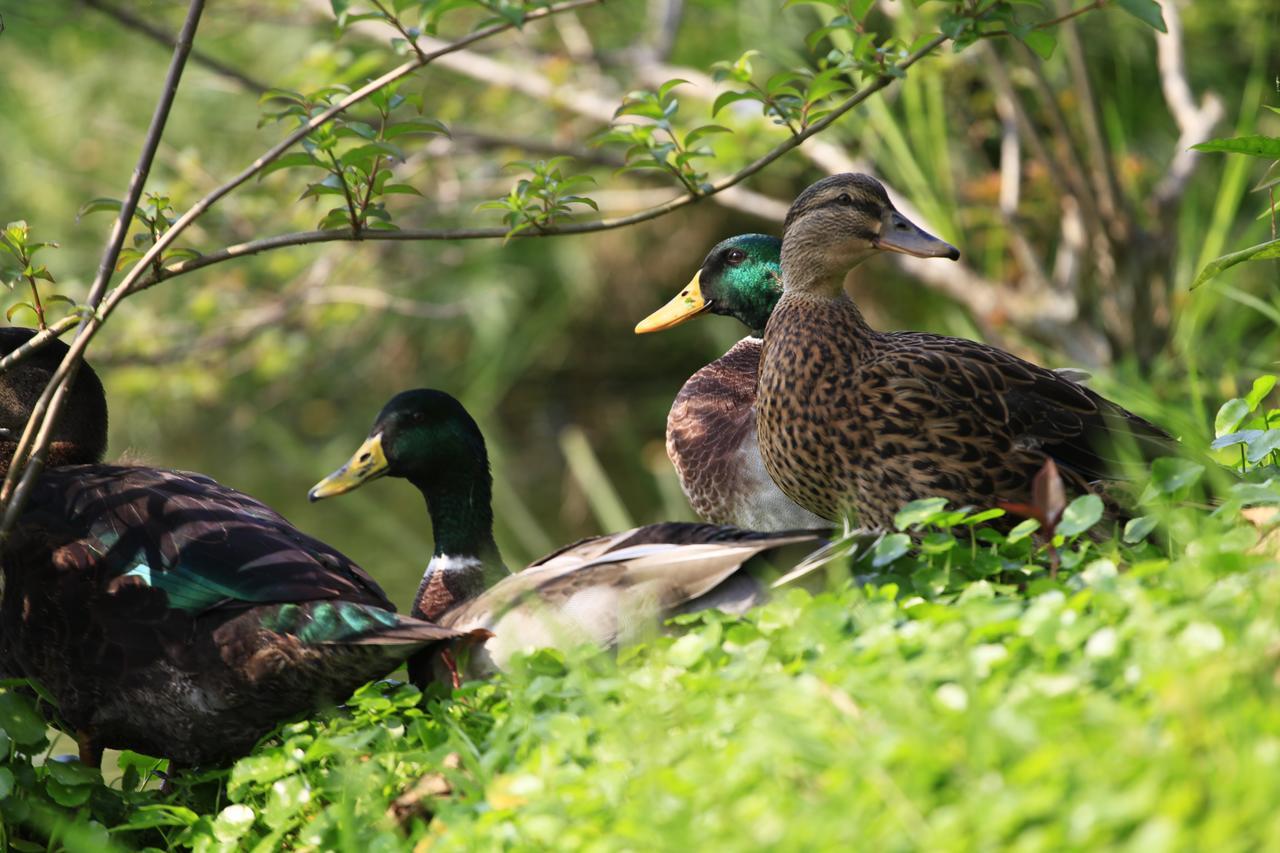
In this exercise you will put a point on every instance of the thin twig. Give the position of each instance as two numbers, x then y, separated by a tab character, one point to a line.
21	477
1112	200
36	444
39	339
395	22
303	238
1052	22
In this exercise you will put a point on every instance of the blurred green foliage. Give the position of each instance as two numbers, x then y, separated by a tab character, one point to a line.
958	697
1083	711
264	371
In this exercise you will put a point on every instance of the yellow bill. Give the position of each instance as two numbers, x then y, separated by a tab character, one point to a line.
687	303
368	463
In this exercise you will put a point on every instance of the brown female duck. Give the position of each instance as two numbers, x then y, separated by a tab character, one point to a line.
853	421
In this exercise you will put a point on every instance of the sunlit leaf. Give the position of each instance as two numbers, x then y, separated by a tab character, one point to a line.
1147	11
1256	146
1262	251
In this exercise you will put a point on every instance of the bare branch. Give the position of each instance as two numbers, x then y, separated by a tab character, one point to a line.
39	339
1195	123
44	413
28	456
1111	199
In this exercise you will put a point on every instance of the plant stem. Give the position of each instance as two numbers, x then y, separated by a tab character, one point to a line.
35	300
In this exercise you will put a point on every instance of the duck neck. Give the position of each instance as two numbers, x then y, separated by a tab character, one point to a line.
809	282
466	561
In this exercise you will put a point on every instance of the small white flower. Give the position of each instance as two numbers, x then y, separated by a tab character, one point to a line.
952	696
1102	644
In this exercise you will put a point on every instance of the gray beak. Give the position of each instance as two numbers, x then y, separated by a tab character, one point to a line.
899	234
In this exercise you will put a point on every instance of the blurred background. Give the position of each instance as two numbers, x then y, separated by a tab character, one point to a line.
1065	182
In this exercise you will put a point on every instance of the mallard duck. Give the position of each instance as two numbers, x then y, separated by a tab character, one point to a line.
852	420
711	429
169	614
604	590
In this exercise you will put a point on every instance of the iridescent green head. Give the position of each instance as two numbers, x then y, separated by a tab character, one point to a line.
741	277
423	435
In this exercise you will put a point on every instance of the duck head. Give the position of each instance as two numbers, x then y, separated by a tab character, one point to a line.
427	437
423	435
741	278
839	222
81	433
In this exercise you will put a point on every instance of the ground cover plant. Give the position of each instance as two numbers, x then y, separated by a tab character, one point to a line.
1072	684
960	695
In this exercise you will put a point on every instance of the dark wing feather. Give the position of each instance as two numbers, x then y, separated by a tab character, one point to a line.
1032	406
205	545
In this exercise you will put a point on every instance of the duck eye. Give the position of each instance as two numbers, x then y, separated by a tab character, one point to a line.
845	199
736	256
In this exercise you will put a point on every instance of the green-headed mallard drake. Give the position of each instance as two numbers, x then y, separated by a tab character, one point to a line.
169	614
602	590
852	420
711	429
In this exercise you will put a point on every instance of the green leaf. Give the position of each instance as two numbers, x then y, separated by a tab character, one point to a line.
1233	438
725	98
291	161
72	773
692	137
1147	11
417	124
6	783
13	310
399	189
1260	252
919	512
274	94
1265	443
233	822
665	88
1081	514
158	815
890	548
1023	530
97	204
1230	415
1042	42
70	796
1170	474
1261	388
1137	529
1255	146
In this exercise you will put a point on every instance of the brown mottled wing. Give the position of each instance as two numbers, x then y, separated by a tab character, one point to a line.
712	416
959	385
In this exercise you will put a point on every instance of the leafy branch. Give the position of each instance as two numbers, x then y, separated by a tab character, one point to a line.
1267	148
29	453
540	200
16	241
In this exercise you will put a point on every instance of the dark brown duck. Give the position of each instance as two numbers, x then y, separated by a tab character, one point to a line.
169	614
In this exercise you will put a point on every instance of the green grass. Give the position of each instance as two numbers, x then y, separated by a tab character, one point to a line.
960	699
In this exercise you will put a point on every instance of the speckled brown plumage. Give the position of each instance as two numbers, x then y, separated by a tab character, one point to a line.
854	421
